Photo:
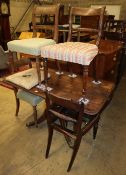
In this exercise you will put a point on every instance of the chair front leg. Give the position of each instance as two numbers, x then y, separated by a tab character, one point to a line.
50	135
75	150
85	79
17	106
95	128
17	101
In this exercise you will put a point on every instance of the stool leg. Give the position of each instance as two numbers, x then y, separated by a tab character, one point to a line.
35	115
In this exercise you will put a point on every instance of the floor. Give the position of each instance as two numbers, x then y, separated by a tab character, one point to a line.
22	150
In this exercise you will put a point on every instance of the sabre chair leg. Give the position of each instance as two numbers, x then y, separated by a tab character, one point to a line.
50	130
17	106
17	101
75	150
35	115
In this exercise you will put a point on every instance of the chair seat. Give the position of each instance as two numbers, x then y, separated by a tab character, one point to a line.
30	46
76	52
28	97
26	79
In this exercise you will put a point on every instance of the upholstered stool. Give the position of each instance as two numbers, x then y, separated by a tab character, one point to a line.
32	99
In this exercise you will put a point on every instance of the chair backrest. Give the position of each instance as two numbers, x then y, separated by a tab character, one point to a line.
88	12
113	35
46	18
68	110
118	25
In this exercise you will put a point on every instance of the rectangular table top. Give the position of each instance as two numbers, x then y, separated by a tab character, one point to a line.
71	88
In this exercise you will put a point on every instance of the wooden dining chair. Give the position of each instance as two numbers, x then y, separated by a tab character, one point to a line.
91	27
77	52
67	117
92	96
32	46
20	66
61	113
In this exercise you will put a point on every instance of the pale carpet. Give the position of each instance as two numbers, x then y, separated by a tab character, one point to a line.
22	150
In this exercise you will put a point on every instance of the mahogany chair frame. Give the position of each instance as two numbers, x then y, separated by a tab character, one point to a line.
78	11
56	108
78	107
38	12
90	12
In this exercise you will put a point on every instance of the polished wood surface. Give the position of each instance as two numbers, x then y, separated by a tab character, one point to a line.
107	47
71	88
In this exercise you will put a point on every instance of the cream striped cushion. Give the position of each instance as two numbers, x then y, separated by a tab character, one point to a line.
76	52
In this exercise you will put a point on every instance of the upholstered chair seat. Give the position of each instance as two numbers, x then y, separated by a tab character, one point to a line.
33	100
28	97
76	52
30	46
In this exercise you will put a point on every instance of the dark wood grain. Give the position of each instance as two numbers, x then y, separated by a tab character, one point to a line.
71	88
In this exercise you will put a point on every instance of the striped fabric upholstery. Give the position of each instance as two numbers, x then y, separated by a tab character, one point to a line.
76	52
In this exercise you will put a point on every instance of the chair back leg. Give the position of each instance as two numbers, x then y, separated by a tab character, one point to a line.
95	128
